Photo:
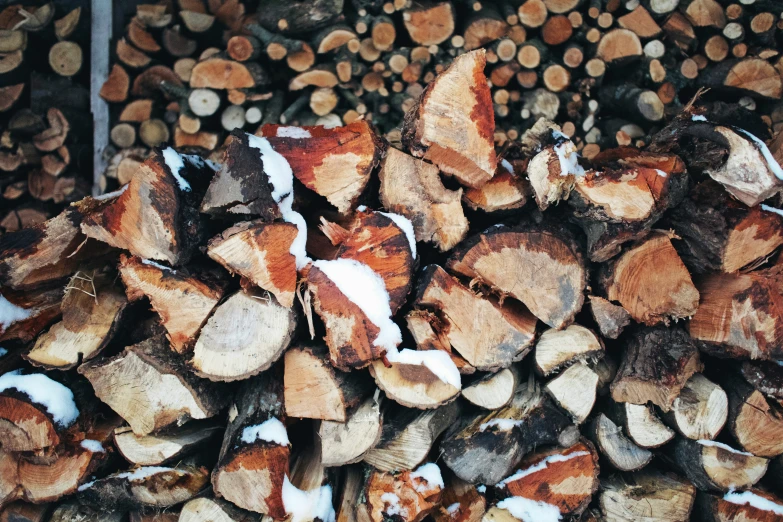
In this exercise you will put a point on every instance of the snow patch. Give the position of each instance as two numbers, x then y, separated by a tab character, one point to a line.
528	510
112	195
175	164
698	117
56	398
271	430
661	173
430	472
305	506
199	162
93	445
3	352
453	508
157	265
393	505
723	447
500	424
144	472
364	288
85	485
436	361
772	163
406	226
10	313
280	175
481	488
567	155
772	209
541	466
507	165
293	132
753	500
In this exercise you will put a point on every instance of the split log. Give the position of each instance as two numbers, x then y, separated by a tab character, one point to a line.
713	466
429	24
348	442
618	450
700	410
260	252
115	88
626	194
659	497
766	377
526	263
611	318
91	312
651	282
755	422
23	512
245	335
334	163
642	425
753	505
151	388
487	447
563	478
417	379
452	124
720	234
740	314
183	302
145	487
154	216
408	436
506	191
205	509
25	314
462	501
253	462
488	335
494	391
574	390
619	46
556	349
163	448
745	75
656	364
219	73
73	510
413	189
308	374
410	495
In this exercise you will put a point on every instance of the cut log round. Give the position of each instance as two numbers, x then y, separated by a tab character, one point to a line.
659	497
713	466
619	45
656	364
522	263
488	335
183	302
651	282
408	436
618	450
308	374
348	442
494	391
246	334
452	124
260	252
413	188
556	349
207	509
564	478
414	384
753	505
575	390
172	394
115	88
642	425
701	409
163	448
219	73
429	24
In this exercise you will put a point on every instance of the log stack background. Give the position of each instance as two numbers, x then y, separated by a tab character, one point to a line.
591	337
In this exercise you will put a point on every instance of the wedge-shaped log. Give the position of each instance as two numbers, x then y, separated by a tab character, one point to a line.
575	389
348	442
163	448
714	466
253	462
452	124
413	188
656	364
261	253
308	374
494	390
741	315
334	163
506	191
205	509
700	410
625	194
641	423
721	234
611	318
89	321
565	478
408	436
183	302
155	216
752	505
541	266
151	387
651	282
487	334
554	164
486	448
470	504
410	495
26	313
244	336
661	497
556	349
618	450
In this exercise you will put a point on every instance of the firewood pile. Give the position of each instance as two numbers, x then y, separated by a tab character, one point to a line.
609	72
320	327
45	121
